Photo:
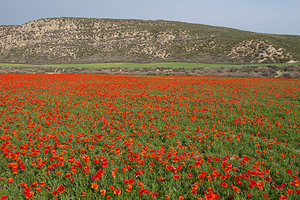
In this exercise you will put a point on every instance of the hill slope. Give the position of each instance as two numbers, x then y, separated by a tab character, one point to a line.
85	40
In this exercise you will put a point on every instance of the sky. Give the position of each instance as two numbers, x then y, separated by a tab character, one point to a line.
263	16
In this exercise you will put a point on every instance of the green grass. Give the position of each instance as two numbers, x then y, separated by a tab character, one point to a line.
141	65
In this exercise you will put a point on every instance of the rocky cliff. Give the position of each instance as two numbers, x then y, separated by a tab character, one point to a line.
84	40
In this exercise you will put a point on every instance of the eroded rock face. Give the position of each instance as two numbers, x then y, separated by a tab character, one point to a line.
257	51
73	40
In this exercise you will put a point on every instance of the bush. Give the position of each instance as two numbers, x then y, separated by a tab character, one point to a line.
295	75
264	71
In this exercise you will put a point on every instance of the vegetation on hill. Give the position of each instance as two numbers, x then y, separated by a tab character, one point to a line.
85	40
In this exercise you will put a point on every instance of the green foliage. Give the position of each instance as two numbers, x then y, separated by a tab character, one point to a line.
140	65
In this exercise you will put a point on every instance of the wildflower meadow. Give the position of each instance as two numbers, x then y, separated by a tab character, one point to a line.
72	136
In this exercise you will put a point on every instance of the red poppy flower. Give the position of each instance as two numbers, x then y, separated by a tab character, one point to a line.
176	176
260	184
4	197
60	188
103	192
112	188
131	181
95	186
141	184
223	184
128	188
289	191
10	180
117	191
54	192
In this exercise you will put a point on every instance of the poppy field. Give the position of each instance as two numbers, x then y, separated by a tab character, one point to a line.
148	137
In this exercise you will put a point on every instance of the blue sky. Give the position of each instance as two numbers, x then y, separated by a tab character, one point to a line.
265	16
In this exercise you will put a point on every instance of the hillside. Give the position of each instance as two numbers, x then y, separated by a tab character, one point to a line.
85	40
